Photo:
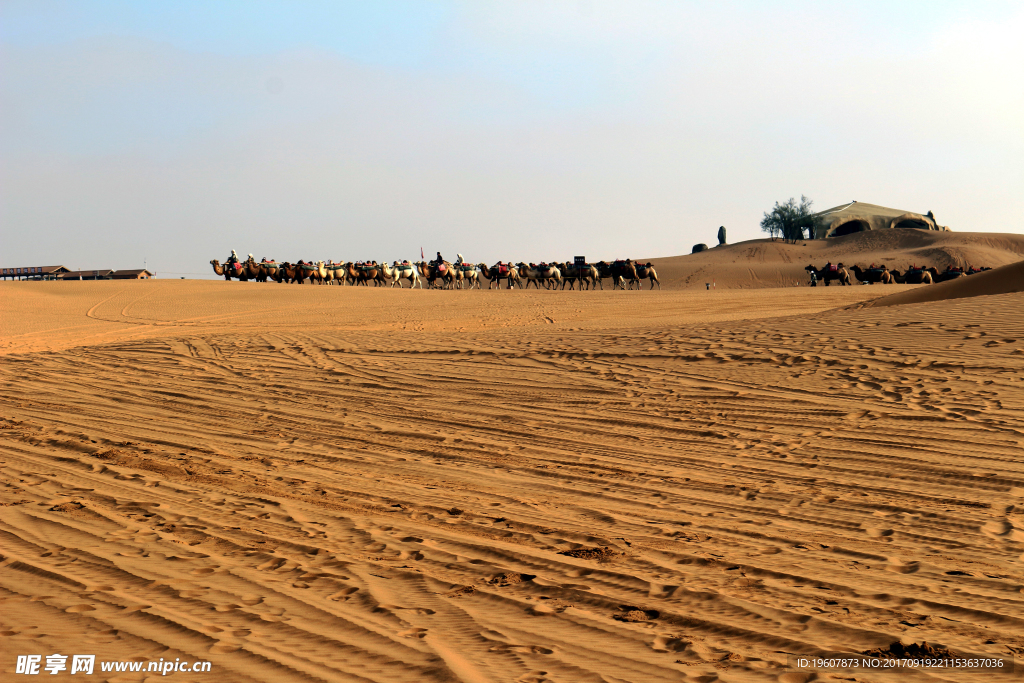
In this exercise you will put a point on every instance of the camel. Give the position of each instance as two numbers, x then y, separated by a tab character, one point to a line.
914	276
363	273
330	274
219	269
237	270
548	273
646	270
402	271
498	272
466	273
286	272
430	272
617	271
251	271
585	273
873	275
950	273
269	270
314	272
836	272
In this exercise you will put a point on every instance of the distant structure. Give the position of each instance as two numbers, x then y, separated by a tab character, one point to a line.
858	217
697	248
101	274
33	272
721	236
139	274
62	273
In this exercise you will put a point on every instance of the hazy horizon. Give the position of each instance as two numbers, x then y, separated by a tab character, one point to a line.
172	133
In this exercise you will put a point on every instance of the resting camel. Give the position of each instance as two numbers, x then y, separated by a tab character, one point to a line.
828	275
430	272
950	273
646	270
402	271
873	275
915	275
498	272
549	274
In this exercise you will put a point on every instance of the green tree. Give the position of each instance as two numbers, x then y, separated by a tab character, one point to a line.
790	220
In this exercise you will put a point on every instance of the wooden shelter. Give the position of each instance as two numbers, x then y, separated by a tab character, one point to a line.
137	274
101	274
33	272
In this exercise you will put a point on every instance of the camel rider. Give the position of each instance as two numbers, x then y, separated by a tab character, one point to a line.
439	260
459	261
233	259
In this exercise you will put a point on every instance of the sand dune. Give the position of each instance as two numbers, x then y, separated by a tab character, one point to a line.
332	484
764	263
1004	280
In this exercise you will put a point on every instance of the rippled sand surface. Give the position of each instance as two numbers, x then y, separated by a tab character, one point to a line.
339	484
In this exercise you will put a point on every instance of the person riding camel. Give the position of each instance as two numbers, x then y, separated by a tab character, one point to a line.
439	260
233	259
459	260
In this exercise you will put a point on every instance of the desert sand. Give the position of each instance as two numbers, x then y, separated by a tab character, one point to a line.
304	483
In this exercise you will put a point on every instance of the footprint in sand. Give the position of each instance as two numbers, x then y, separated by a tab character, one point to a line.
74	609
413	633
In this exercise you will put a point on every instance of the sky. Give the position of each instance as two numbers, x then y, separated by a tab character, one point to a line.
166	133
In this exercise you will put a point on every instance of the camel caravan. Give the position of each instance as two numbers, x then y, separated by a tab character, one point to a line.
914	275
441	274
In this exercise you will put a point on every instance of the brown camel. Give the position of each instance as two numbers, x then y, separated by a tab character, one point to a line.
430	272
498	272
873	275
915	275
646	270
362	274
950	273
571	274
829	273
219	269
549	274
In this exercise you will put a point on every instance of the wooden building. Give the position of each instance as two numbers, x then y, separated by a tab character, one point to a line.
102	274
138	274
33	272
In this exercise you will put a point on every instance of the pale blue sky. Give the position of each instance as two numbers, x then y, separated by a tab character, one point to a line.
175	131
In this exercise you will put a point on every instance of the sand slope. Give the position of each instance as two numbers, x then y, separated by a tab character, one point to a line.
343	485
764	263
1004	280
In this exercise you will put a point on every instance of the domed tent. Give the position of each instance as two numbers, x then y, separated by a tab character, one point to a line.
857	217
